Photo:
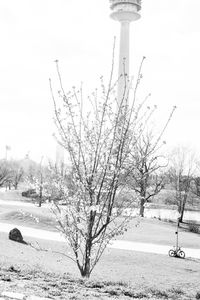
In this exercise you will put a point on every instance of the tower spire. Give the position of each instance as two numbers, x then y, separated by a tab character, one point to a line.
124	11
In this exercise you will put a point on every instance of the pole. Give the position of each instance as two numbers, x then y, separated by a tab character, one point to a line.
178	220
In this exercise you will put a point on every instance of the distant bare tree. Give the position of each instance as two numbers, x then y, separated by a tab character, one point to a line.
181	174
37	179
58	177
195	184
146	177
17	172
5	173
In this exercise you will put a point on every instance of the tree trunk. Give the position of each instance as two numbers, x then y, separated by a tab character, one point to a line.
85	272
183	208
181	216
142	208
142	202
40	197
40	202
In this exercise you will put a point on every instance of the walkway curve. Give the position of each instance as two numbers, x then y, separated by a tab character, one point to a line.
115	244
22	204
151	248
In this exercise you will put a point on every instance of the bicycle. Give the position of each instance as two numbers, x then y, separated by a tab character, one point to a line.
176	252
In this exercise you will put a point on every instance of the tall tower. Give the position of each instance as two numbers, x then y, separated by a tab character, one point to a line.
124	11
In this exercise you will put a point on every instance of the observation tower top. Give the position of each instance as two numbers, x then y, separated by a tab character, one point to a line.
125	10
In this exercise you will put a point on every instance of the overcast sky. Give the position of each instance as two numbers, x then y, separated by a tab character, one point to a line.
34	33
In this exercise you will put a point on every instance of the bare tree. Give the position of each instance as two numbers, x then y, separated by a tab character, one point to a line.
41	182
146	177
5	173
99	139
58	179
181	174
17	172
37	179
195	183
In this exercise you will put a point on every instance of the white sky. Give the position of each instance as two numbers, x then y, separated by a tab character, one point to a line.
80	34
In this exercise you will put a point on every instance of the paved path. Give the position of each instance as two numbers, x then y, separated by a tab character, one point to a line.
32	232
151	248
21	204
116	244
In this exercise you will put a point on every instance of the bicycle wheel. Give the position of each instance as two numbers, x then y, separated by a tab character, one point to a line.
171	253
181	254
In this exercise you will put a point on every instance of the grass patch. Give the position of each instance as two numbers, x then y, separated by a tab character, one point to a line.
66	286
159	294
135	295
27	217
30	219
134	275
13	195
115	283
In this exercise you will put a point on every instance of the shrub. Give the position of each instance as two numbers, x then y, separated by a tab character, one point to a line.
198	295
170	200
168	220
29	193
160	294
193	228
177	291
